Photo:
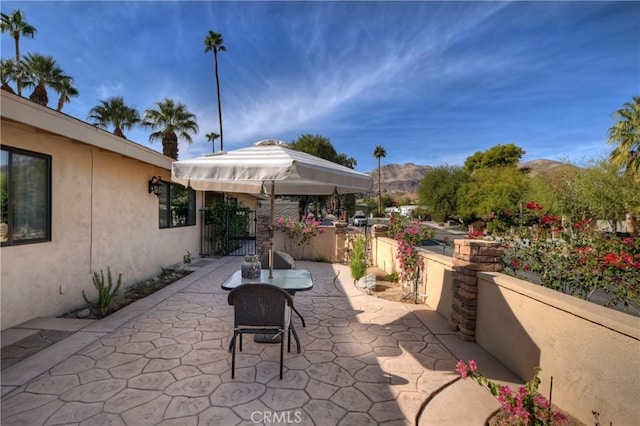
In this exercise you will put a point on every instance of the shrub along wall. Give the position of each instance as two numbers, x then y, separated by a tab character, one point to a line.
591	351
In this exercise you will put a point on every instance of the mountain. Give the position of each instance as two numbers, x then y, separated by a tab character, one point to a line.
544	166
400	180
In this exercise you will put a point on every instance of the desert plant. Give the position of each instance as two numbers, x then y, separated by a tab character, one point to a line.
358	262
392	277
106	292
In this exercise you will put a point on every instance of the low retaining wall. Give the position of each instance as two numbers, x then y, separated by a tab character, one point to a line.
328	246
591	351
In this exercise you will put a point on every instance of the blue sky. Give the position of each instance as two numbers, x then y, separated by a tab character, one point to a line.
432	82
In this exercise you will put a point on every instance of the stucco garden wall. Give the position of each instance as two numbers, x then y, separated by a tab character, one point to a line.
437	277
327	246
591	351
102	216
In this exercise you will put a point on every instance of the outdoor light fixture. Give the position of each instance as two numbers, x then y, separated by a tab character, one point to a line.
155	185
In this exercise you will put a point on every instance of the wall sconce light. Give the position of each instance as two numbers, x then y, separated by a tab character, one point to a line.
259	204
155	185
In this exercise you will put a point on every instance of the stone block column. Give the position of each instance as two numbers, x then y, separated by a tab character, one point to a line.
470	257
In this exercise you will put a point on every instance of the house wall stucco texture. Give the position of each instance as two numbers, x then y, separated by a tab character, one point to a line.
102	216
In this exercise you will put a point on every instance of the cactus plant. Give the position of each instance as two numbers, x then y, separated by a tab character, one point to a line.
105	293
358	262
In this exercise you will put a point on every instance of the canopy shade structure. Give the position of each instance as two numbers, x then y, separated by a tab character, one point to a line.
273	167
249	170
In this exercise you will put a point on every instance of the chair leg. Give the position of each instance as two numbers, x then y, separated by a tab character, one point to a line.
292	329
281	354
233	355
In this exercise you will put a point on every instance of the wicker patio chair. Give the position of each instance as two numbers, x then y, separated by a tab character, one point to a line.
281	260
261	309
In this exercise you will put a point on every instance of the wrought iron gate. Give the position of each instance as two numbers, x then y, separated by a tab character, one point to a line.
230	232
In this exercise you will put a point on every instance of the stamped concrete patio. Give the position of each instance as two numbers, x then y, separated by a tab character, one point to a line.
164	361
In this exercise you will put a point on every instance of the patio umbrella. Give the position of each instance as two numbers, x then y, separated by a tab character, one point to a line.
273	167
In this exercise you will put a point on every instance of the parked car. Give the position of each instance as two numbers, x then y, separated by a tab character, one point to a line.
359	219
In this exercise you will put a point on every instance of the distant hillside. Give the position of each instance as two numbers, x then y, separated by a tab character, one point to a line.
404	179
543	166
400	179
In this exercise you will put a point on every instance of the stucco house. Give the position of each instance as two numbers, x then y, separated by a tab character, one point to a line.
76	199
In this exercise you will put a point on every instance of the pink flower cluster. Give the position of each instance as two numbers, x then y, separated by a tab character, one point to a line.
300	231
524	407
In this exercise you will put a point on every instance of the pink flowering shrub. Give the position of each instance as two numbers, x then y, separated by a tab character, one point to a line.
299	232
526	406
574	259
583	262
409	236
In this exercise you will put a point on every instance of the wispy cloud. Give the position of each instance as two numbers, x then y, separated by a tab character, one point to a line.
431	81
342	67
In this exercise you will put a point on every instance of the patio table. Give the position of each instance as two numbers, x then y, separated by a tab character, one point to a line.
290	280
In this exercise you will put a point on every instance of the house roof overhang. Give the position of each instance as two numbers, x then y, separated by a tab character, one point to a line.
21	110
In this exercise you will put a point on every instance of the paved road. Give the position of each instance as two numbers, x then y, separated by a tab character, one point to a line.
442	242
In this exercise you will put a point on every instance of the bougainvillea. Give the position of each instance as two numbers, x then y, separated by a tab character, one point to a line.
409	236
577	260
526	406
299	232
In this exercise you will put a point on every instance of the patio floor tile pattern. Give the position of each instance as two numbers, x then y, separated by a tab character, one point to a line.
364	361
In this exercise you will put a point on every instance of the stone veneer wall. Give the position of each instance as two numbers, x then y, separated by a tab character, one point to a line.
470	257
282	208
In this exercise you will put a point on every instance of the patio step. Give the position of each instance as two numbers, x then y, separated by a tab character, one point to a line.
462	402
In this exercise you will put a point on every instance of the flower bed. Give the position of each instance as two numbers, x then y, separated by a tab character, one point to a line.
575	259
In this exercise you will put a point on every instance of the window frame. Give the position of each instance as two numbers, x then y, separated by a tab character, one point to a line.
10	150
164	206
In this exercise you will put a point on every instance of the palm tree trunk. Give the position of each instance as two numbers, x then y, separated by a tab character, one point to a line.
16	37
379	189
170	145
215	56
39	95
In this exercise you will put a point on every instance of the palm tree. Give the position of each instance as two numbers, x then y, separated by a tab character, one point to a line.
115	112
41	71
211	137
379	153
7	73
170	121
66	90
213	43
626	133
16	26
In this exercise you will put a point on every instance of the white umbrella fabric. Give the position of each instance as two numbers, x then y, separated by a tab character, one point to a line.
271	166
